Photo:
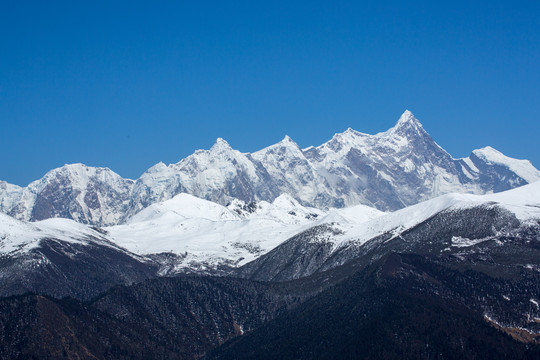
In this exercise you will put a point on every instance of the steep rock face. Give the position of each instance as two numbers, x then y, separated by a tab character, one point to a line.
85	194
497	172
389	170
219	174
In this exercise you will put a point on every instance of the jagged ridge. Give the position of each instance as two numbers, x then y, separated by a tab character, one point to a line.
389	170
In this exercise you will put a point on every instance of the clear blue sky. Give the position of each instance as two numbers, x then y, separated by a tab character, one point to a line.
128	84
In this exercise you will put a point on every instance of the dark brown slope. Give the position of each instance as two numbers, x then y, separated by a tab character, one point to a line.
405	307
167	318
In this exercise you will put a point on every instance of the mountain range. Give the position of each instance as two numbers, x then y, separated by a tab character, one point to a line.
388	171
368	246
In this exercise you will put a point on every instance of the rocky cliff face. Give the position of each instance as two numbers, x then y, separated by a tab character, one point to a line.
88	195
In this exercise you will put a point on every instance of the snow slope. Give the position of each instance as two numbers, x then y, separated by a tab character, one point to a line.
17	237
206	234
522	168
523	202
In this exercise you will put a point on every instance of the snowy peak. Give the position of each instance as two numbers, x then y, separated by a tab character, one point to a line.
287	139
159	167
83	193
342	142
490	154
389	170
286	201
80	174
407	117
220	145
288	142
285	145
409	125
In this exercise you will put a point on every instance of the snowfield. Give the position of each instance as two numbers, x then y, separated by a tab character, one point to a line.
209	233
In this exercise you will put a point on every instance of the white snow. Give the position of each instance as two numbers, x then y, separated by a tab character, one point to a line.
100	184
217	234
186	206
345	171
353	215
210	233
524	202
523	168
458	241
471	165
19	236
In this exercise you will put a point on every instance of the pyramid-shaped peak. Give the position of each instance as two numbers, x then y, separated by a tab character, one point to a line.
407	124
288	141
406	118
220	144
286	201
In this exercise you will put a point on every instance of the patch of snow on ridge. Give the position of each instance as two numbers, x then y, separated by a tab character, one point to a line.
459	241
16	235
353	215
523	201
285	209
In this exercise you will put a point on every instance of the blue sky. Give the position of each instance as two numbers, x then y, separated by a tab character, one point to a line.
128	84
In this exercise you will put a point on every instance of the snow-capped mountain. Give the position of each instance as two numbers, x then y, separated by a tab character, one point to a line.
389	171
88	195
184	234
